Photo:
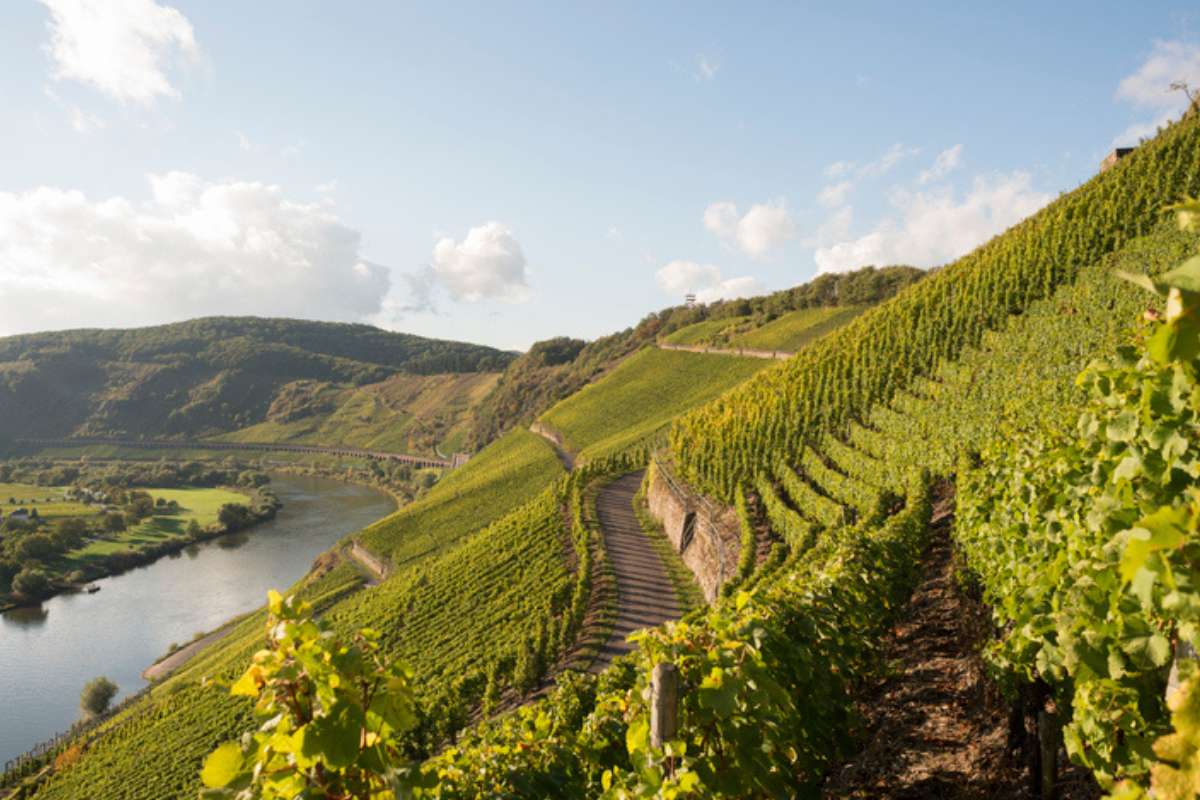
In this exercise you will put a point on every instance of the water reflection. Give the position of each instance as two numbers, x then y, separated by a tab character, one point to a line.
27	616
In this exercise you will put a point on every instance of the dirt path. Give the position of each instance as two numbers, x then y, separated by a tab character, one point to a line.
645	595
164	667
934	729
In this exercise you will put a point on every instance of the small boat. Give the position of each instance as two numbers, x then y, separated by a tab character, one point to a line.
91	588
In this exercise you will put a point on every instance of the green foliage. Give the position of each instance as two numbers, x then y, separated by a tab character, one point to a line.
96	695
505	475
838	379
200	377
331	717
641	396
796	329
764	696
1085	544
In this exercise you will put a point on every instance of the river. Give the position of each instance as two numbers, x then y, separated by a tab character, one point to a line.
48	653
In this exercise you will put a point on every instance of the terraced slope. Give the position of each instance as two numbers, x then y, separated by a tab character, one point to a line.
503	476
640	397
797	329
833	382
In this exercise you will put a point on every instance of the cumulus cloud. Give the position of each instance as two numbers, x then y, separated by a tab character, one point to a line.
763	228
1149	87
946	162
935	226
196	248
488	264
679	278
121	47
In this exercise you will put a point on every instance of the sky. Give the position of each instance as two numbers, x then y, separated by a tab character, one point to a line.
508	172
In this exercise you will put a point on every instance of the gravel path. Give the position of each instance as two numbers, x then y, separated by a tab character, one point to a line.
645	595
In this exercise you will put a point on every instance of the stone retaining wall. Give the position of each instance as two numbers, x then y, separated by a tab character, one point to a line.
705	535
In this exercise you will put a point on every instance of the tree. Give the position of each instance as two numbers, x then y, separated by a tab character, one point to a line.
193	528
36	546
114	523
96	696
31	583
234	516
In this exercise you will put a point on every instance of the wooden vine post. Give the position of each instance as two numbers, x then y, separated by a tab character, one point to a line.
664	698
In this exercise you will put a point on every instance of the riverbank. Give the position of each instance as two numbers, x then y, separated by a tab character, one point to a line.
48	653
100	559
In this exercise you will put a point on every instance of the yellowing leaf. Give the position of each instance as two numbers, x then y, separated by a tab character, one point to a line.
222	765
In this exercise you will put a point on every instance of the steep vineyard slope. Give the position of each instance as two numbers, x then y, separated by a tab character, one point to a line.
831	383
640	398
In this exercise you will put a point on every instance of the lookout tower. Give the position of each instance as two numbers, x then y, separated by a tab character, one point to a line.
689	300
1112	158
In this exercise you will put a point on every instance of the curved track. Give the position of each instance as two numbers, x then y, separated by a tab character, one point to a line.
645	595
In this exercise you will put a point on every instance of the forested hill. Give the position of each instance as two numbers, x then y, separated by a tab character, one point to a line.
201	377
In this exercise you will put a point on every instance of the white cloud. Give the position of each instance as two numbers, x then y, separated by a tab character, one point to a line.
835	194
243	141
884	164
196	248
946	162
487	265
706	68
121	47
679	278
83	122
763	228
934	227
1150	87
839	168
293	150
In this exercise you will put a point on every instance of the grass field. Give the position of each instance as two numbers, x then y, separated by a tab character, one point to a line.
796	329
504	475
49	501
643	395
201	505
704	332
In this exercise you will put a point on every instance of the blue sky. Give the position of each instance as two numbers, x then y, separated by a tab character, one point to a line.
504	173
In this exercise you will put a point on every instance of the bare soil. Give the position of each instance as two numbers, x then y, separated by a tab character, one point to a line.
934	727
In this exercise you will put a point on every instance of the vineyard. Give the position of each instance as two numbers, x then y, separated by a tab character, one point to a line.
641	396
838	379
797	329
1044	404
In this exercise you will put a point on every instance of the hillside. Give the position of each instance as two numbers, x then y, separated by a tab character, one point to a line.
836	462
556	368
206	377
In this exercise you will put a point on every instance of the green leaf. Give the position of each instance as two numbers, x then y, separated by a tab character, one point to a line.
222	765
1159	649
335	736
637	738
1122	428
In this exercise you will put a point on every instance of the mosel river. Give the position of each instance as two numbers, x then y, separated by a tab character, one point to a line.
48	653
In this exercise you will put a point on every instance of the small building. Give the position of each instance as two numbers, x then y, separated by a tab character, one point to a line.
690	300
1112	158
20	514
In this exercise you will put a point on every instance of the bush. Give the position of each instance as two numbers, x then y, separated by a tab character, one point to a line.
96	696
